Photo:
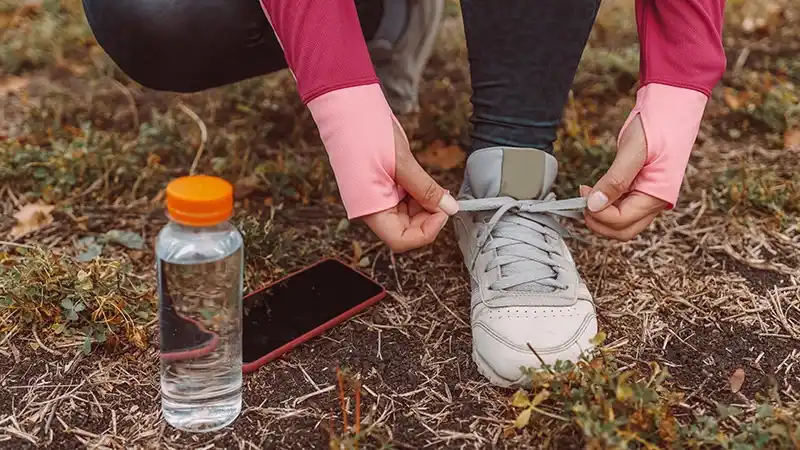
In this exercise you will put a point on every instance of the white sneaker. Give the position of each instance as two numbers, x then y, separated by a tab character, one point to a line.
399	62
526	290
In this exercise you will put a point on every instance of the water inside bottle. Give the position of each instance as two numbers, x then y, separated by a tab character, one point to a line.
201	349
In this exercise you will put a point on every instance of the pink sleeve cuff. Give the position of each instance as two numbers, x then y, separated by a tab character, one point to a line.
356	125
671	119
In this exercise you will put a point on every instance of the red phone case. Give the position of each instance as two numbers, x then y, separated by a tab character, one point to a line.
255	365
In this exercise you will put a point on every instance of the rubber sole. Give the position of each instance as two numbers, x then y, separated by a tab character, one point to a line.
486	370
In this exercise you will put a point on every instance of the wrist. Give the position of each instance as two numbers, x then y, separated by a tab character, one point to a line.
671	119
356	127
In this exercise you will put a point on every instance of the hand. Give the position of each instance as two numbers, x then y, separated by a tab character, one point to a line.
418	218
615	211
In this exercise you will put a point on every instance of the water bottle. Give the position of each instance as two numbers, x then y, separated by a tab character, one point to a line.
200	262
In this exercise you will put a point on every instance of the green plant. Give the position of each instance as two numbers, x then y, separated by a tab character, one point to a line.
100	300
613	408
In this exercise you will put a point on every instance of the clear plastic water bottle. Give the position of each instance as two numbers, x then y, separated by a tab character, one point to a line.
200	259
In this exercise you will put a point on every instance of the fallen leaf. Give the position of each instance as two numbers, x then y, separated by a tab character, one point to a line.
731	99
791	139
441	157
344	224
737	380
357	251
30	218
246	186
129	239
12	85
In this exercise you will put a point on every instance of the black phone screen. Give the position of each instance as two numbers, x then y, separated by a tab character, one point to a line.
300	304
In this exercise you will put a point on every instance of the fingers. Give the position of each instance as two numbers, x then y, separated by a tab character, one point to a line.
627	210
416	181
624	234
402	234
630	158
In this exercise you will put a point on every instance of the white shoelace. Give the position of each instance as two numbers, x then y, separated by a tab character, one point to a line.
523	233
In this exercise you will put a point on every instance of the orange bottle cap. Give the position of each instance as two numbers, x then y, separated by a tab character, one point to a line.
199	200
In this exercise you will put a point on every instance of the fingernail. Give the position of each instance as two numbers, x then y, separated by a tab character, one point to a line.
448	204
597	201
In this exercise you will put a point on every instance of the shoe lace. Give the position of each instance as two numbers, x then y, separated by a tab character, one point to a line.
523	234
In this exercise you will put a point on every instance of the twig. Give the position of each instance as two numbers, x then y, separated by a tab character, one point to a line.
396	276
357	388
340	379
14	244
540	358
549	414
461	321
127	93
203	135
44	347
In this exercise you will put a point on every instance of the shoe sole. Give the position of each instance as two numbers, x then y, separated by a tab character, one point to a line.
486	370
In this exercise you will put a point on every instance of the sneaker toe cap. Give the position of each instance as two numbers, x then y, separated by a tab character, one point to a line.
502	335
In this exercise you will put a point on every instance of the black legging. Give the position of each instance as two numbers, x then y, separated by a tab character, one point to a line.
523	54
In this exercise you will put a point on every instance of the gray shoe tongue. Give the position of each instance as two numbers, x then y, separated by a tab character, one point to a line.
519	173
524	173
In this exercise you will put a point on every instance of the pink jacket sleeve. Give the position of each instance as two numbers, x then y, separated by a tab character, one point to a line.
681	60
325	50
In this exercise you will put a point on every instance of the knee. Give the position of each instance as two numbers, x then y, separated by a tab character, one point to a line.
143	38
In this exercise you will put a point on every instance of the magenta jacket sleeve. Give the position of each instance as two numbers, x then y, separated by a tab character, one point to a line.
681	60
323	44
325	49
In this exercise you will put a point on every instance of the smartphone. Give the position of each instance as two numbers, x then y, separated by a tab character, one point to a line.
301	306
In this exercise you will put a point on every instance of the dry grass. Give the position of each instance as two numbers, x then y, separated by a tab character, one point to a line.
709	290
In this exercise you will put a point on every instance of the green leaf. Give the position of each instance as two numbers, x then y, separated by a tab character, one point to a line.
520	399
129	239
543	395
778	430
79	307
92	251
87	344
523	418
599	338
72	315
100	336
624	391
58	328
727	411
344	224
765	411
67	304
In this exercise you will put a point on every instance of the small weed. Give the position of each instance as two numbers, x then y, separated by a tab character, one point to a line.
351	436
34	36
101	300
763	189
615	408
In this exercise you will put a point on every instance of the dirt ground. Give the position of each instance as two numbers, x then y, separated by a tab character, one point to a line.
709	290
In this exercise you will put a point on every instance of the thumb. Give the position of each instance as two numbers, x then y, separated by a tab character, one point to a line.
631	156
416	181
